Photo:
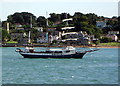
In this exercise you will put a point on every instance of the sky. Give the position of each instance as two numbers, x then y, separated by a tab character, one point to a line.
106	8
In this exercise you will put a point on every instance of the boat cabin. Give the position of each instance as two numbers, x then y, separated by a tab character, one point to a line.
29	49
67	50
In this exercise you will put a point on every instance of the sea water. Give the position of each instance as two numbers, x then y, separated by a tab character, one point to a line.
99	67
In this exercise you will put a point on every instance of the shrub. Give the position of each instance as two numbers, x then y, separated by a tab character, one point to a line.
105	40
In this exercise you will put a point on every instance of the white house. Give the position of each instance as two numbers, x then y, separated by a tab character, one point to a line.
39	28
112	36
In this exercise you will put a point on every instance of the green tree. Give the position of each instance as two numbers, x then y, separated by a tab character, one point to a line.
65	16
55	17
97	42
92	18
110	22
22	18
105	40
97	32
41	21
5	35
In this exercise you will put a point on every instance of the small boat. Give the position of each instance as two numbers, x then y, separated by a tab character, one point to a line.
68	52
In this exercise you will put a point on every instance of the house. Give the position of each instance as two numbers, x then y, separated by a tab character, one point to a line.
42	38
84	38
18	36
40	29
15	35
23	40
100	24
18	25
112	36
113	32
56	35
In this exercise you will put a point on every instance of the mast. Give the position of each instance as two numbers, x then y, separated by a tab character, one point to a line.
47	33
30	21
29	41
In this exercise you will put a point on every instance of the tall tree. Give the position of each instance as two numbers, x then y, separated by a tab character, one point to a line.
41	21
55	17
65	15
92	18
22	18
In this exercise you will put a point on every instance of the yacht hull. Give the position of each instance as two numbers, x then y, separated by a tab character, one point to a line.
33	55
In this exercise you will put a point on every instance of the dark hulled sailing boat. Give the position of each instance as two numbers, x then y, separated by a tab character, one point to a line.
68	52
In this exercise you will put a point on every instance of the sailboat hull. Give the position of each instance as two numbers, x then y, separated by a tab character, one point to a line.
31	55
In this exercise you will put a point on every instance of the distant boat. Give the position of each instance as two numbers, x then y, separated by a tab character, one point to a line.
68	52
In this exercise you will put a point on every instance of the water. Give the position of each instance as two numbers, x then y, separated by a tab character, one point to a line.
100	67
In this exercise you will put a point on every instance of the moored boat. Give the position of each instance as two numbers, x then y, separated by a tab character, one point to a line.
68	52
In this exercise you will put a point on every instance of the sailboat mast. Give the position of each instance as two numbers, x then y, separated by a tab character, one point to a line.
29	40
30	21
47	33
29	37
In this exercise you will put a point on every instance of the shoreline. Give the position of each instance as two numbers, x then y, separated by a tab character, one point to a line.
73	46
44	45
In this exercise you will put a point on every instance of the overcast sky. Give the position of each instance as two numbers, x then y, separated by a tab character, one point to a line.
107	8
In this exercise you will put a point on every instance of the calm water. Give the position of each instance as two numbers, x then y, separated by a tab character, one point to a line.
100	67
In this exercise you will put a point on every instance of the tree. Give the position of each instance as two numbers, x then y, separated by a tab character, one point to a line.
97	32
5	35
41	21
105	40
92	18
10	19
18	18
22	18
80	22
110	22
55	17
97	42
65	16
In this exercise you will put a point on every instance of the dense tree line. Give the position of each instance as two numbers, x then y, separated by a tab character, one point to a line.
22	18
82	22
